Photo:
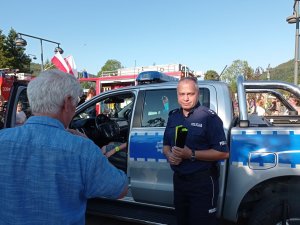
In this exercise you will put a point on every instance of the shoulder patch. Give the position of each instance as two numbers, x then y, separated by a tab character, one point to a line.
211	111
208	111
173	111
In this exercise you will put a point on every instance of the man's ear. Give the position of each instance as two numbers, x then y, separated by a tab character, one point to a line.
68	105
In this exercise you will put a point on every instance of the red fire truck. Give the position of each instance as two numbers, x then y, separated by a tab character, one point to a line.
127	76
7	78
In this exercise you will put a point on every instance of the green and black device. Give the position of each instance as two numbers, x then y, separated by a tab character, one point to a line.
180	136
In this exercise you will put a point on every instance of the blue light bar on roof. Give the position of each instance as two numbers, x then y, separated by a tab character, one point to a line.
149	77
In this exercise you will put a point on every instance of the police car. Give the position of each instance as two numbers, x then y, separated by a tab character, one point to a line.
260	182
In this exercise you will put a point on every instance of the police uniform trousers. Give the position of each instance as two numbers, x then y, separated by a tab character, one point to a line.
195	198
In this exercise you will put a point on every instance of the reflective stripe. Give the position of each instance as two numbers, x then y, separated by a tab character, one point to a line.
213	191
212	210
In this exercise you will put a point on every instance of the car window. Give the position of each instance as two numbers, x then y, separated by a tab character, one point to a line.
113	106
105	119
158	104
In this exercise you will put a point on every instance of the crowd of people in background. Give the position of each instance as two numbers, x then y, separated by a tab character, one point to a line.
271	106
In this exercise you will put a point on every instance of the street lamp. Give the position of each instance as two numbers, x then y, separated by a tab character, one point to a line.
22	42
33	56
295	19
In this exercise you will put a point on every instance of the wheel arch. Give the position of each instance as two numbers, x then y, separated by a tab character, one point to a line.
265	189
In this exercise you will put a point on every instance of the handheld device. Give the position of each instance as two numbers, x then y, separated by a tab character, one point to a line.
180	136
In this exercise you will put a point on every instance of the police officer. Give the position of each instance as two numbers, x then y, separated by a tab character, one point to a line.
195	165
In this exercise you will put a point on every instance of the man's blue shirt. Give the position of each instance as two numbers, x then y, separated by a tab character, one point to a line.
47	174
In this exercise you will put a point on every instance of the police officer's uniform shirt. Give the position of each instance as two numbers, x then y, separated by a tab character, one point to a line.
205	131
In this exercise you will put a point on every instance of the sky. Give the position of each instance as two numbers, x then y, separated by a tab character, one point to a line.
202	34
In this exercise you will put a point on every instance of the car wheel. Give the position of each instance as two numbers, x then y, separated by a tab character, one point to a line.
272	210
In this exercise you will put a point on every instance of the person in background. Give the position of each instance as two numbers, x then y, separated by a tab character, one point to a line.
251	105
260	108
273	109
261	98
90	94
165	102
279	107
1	111
1	103
295	102
20	115
235	107
195	165
47	171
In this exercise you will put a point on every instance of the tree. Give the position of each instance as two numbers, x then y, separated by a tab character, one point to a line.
238	67
16	58
35	69
284	72
110	65
211	75
48	65
3	59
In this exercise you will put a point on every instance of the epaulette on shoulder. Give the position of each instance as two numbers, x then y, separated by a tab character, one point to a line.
209	111
173	111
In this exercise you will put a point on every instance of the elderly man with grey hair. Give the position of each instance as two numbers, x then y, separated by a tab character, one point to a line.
48	173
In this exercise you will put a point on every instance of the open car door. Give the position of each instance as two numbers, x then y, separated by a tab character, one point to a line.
18	95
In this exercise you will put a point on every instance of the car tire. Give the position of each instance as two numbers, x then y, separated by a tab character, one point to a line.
270	211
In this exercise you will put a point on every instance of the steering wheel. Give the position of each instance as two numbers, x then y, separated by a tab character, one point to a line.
107	128
127	114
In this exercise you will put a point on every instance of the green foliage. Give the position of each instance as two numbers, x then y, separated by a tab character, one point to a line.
16	58
238	67
88	85
211	75
3	59
110	65
283	72
249	73
35	69
48	65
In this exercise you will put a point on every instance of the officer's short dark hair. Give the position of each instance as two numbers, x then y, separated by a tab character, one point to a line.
193	79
